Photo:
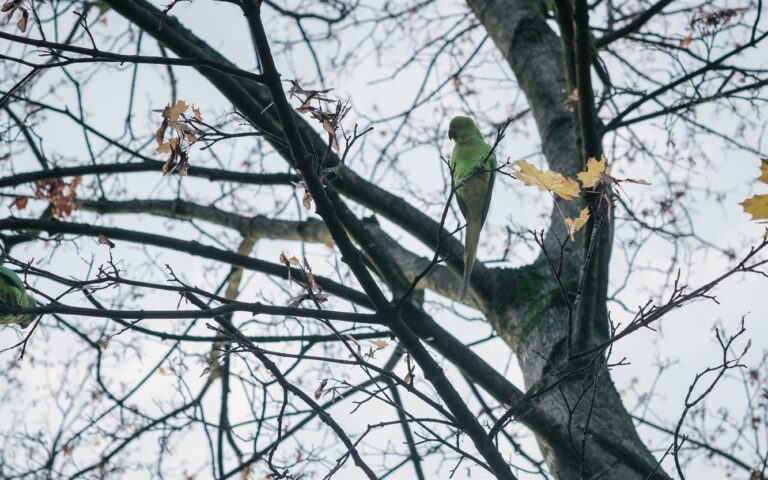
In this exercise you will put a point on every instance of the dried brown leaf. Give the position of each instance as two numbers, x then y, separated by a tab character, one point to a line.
182	168
172	113
160	133
168	146
747	347
22	23
21	202
305	106
379	343
289	261
319	389
294	302
60	194
168	166
311	281
329	127
639	181
296	90
106	241
306	200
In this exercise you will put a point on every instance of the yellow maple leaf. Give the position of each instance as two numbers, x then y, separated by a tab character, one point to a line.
576	224
172	113
757	206
763	170
592	175
565	187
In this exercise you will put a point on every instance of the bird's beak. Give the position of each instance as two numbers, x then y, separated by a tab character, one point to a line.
451	134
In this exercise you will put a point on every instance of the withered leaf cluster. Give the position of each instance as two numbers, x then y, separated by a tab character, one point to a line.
706	22
306	198
313	291
329	112
60	194
11	7
177	147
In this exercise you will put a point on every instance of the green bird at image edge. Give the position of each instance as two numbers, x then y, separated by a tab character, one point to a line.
473	167
13	294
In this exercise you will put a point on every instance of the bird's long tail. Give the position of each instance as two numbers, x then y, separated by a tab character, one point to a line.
470	251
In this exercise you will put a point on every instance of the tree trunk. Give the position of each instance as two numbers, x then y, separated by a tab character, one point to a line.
534	320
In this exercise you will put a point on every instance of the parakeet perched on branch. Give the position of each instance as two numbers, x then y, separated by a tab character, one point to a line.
13	294
473	165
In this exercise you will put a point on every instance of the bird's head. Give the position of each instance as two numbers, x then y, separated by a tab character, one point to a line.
462	128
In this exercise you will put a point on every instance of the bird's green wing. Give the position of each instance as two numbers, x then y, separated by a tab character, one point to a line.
459	200
13	294
8	276
474	197
464	160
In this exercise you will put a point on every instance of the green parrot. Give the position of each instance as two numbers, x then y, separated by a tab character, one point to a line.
13	294
470	154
